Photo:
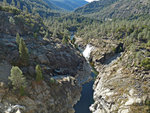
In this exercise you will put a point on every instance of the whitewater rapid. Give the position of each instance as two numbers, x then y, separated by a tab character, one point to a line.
86	53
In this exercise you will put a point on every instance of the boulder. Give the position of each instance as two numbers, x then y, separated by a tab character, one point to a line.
43	59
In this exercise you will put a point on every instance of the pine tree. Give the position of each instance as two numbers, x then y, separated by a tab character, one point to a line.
25	8
66	32
17	78
39	75
5	2
46	35
140	36
65	40
148	35
18	5
11	20
35	36
13	3
73	40
23	51
17	38
55	33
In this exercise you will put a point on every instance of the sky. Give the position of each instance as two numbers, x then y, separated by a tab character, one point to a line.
91	0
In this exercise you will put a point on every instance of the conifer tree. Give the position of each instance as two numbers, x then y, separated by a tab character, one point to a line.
46	35
17	38
148	35
27	11
13	3
11	20
73	40
17	78
35	35
24	8
18	4
39	75
5	2
140	36
65	39
23	51
55	33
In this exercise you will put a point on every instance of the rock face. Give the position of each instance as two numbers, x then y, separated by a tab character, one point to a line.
44	98
63	63
121	89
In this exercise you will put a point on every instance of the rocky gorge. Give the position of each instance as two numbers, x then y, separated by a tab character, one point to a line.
55	73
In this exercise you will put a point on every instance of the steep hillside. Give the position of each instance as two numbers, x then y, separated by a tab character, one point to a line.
94	7
47	72
69	4
42	7
115	9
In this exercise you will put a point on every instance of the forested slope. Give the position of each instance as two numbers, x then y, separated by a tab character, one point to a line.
44	8
115	9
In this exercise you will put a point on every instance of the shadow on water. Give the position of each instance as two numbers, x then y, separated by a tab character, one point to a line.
86	98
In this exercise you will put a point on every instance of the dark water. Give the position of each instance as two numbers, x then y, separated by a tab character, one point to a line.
86	98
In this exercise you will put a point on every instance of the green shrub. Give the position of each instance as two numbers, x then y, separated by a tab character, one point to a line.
52	81
147	102
146	63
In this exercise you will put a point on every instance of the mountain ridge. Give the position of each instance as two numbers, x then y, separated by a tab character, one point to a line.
115	8
69	4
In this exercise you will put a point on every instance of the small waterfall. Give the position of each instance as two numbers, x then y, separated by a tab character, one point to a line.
86	53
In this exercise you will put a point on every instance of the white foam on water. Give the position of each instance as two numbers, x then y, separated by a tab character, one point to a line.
86	53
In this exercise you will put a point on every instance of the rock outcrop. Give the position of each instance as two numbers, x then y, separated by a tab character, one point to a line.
63	63
120	87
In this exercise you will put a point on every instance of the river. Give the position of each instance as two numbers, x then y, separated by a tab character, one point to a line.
86	98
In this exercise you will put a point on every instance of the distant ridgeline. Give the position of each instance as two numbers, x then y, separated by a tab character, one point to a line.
115	9
69	4
43	7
